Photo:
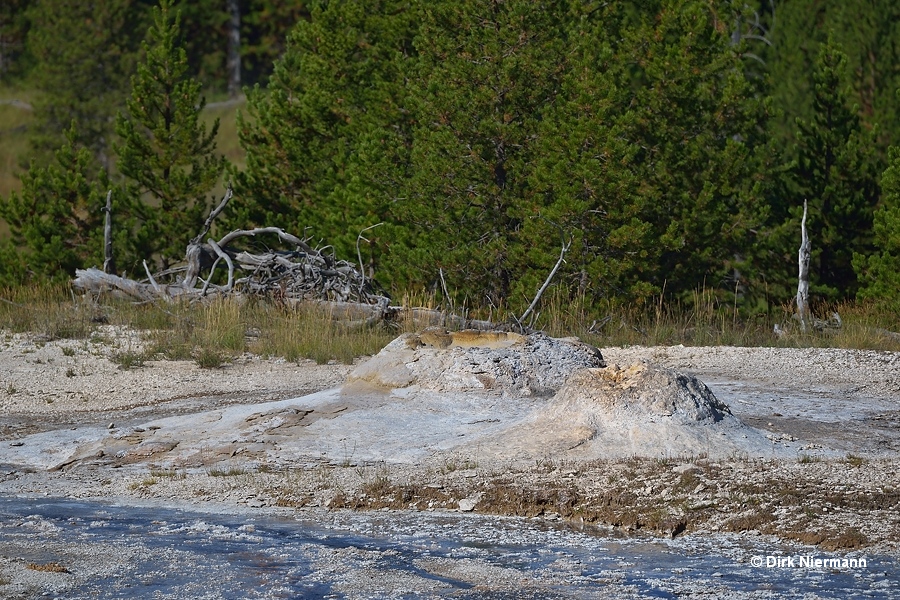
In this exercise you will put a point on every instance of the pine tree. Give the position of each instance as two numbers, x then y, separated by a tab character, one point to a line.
486	74
318	139
83	53
880	271
697	122
264	31
166	151
56	220
834	172
583	176
867	31
13	30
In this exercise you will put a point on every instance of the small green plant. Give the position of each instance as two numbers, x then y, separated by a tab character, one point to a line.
210	358
128	359
70	372
855	461
229	472
11	389
68	351
806	459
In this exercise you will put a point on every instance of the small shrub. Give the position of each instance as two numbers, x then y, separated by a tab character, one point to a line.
168	473
210	358
51	567
229	472
855	461
128	359
68	351
146	482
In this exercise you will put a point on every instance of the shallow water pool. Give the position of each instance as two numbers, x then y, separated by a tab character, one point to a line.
114	551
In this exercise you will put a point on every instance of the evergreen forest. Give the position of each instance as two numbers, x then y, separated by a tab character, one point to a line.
660	147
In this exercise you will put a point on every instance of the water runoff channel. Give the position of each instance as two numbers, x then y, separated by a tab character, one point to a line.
116	551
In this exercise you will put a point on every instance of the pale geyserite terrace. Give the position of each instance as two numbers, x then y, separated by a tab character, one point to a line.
430	441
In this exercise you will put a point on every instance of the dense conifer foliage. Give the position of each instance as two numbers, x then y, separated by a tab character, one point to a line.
166	152
662	146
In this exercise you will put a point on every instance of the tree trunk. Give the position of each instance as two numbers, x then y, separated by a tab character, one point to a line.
233	65
109	265
803	283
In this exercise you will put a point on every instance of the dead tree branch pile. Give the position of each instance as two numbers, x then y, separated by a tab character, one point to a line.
291	271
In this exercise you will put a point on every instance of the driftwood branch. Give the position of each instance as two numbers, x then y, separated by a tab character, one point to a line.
295	272
207	225
218	250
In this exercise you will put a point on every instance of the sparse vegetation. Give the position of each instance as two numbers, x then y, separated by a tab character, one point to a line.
171	473
210	358
214	332
144	483
231	471
128	359
855	461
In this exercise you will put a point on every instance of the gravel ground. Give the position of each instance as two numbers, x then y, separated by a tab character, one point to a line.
842	492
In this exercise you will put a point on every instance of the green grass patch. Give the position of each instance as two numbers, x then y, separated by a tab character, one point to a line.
229	472
128	359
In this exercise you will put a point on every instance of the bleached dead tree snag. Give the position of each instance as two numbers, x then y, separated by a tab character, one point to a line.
537	297
362	269
109	266
803	282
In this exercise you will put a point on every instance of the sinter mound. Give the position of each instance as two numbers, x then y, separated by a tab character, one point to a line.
592	411
477	361
642	410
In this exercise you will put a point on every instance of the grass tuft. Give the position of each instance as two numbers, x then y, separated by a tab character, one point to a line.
128	359
229	472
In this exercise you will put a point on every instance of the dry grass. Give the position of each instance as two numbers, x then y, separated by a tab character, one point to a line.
706	322
51	567
49	311
215	332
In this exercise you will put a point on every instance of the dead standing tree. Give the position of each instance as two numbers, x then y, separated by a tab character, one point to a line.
803	278
804	315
